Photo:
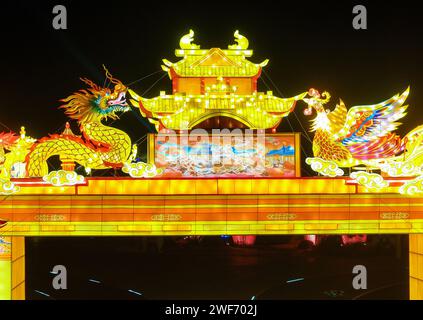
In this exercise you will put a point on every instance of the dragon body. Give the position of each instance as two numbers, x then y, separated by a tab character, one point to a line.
100	146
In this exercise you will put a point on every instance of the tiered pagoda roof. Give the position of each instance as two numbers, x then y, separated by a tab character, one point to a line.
214	83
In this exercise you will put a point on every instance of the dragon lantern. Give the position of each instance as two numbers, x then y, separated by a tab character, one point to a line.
99	147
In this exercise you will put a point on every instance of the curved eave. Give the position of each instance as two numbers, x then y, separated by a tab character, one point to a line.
174	103
260	111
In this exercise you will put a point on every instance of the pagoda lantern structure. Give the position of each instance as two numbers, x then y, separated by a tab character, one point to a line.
214	88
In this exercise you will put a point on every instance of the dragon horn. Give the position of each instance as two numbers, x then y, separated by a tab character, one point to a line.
110	77
90	83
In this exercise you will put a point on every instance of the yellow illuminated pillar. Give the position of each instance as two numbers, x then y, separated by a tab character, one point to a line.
416	266
5	268
12	268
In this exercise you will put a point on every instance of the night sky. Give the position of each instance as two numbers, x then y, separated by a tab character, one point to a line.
309	44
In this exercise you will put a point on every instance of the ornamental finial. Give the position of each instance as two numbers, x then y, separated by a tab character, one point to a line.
241	42
23	132
186	41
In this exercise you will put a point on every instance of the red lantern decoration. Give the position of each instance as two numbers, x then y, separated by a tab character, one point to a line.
312	238
351	239
244	240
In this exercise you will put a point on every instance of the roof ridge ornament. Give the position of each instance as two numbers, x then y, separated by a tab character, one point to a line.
241	42
186	41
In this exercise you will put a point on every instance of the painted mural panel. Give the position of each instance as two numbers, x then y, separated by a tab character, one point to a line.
231	156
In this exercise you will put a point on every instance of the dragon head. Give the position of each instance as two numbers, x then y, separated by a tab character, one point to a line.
96	103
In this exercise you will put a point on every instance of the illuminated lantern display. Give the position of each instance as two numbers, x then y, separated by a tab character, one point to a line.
14	161
100	146
364	135
214	87
5	267
313	238
245	183
246	241
346	239
354	239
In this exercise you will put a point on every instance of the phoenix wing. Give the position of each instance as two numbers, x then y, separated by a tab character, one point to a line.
367	130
